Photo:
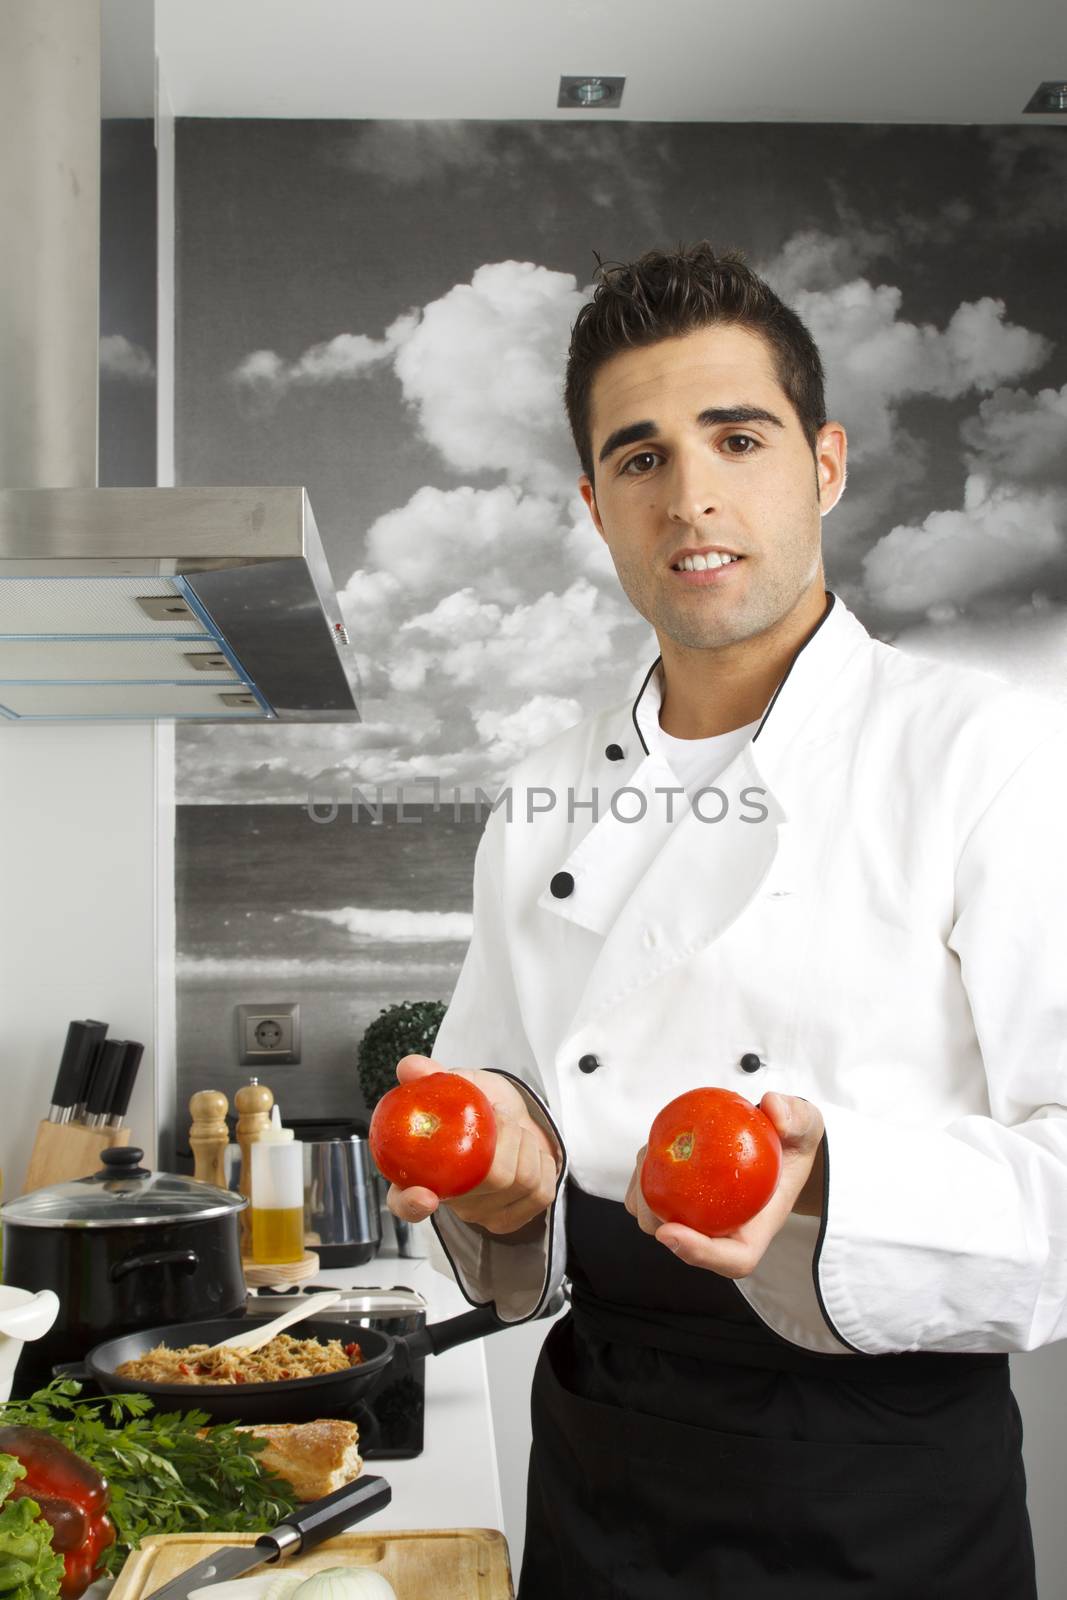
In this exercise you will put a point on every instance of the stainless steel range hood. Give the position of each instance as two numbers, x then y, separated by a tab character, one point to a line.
204	604
194	603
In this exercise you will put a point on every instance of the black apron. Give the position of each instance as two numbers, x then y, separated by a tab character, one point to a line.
695	1455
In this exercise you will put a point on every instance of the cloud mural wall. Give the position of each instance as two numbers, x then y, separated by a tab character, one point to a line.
484	609
381	312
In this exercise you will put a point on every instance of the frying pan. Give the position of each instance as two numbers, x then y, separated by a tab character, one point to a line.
291	1399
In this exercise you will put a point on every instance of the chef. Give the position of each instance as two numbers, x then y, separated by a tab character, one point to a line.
807	867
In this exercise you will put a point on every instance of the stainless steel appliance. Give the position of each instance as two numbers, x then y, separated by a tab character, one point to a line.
196	603
342	1219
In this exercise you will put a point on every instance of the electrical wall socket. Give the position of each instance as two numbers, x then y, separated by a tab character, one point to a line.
268	1033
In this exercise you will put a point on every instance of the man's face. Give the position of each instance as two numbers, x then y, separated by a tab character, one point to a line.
684	461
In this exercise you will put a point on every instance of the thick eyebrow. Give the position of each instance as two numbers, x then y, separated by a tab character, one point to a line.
634	432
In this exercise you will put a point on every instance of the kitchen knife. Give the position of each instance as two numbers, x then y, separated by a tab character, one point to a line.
78	1051
79	1109
102	1084
120	1098
300	1531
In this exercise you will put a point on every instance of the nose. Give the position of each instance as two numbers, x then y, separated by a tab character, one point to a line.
694	489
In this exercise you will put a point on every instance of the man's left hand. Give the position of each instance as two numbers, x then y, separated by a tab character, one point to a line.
799	1125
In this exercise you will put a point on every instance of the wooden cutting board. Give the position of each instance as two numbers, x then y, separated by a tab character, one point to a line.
430	1564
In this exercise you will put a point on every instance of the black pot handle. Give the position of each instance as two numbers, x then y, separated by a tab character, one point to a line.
186	1260
441	1336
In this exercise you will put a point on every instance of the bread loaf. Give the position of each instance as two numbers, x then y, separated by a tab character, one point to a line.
315	1457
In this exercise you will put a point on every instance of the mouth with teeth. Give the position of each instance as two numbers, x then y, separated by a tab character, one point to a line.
701	570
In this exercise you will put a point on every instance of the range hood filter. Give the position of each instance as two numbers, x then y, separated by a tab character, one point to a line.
90	648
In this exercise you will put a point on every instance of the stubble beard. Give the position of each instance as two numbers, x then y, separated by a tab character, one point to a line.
694	619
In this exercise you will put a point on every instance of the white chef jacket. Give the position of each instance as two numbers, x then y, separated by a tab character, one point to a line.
880	916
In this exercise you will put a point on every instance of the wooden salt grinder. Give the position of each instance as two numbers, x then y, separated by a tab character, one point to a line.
253	1104
209	1136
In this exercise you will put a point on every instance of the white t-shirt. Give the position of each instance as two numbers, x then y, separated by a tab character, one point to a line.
696	763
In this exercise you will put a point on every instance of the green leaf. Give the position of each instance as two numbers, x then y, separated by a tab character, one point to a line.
29	1567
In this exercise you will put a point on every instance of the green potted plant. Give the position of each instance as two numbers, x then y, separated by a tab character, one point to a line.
407	1029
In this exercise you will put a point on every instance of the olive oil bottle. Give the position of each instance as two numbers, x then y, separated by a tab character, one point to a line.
277	1195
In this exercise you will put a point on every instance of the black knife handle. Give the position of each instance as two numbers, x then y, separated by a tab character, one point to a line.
120	1100
106	1066
83	1038
323	1518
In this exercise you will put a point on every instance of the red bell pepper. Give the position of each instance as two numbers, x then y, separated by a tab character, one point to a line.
73	1498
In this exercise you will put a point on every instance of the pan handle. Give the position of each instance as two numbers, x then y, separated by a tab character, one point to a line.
186	1260
441	1336
72	1369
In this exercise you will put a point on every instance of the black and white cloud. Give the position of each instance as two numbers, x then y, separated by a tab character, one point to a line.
121	358
484	609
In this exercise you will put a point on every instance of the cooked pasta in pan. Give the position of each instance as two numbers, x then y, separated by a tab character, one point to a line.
281	1359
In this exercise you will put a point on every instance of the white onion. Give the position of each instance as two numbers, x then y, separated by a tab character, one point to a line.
257	1586
345	1583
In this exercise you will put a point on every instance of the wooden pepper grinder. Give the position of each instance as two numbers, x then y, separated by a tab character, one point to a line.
253	1104
209	1136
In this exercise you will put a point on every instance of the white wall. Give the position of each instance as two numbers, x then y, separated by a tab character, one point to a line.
78	912
1039	1380
510	1361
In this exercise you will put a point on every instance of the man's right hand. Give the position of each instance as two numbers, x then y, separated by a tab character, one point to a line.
521	1183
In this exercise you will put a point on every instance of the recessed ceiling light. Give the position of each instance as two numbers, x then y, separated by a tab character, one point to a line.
1049	97
591	94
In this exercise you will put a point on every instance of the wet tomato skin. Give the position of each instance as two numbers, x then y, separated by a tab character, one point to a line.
438	1132
713	1161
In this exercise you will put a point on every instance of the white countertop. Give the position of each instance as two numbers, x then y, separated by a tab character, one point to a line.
454	1483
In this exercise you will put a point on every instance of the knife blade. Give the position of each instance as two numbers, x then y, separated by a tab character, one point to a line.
78	1051
301	1530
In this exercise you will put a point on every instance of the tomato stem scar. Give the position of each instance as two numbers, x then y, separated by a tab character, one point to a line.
424	1124
682	1148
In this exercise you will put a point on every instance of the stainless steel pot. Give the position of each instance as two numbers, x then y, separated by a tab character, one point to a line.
342	1219
125	1249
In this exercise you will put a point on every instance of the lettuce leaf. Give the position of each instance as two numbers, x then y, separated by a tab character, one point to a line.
29	1568
11	1470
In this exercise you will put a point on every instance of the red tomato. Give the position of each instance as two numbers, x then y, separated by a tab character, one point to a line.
438	1132
713	1161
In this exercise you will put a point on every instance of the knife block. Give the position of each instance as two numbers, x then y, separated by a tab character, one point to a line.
63	1150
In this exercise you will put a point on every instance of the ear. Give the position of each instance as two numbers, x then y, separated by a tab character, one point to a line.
588	494
831	465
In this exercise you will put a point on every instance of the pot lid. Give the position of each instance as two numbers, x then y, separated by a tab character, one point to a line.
123	1194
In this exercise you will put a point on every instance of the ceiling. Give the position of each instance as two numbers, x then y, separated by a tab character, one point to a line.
951	61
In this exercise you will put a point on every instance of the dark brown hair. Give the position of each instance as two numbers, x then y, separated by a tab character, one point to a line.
670	292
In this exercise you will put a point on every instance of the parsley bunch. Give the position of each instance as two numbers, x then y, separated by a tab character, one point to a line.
166	1473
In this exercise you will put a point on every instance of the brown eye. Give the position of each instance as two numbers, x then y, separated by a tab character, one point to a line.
746	439
648	456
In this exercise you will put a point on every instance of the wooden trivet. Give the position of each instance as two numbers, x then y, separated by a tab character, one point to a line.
269	1276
